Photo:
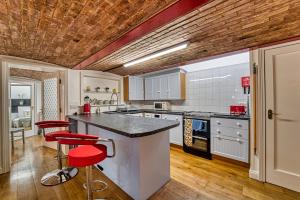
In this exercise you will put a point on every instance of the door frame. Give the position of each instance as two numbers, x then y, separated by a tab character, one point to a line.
6	62
261	107
5	151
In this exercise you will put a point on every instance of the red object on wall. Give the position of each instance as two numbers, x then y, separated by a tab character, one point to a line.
237	110
245	81
178	9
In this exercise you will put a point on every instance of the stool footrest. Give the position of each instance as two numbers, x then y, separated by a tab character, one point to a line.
103	185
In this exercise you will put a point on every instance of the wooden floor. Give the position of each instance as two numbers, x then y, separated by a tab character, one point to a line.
192	178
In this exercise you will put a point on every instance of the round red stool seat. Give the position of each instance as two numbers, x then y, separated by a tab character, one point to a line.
87	155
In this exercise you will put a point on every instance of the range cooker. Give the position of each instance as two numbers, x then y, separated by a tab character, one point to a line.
196	133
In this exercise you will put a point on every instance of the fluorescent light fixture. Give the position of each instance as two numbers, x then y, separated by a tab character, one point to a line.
210	78
158	53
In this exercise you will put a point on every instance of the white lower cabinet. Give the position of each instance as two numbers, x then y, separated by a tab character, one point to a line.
149	115
229	138
176	134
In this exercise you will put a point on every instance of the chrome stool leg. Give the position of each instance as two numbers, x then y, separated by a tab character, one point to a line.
60	175
89	186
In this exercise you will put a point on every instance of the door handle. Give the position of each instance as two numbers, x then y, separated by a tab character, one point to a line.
271	114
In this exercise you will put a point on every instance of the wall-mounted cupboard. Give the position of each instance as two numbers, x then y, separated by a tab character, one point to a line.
170	86
133	88
165	87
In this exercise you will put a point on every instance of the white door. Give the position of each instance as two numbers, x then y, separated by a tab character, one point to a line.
164	87
283	118
139	88
132	88
156	88
148	89
51	100
174	86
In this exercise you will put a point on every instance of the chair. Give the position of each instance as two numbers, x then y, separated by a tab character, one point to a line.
87	155
61	174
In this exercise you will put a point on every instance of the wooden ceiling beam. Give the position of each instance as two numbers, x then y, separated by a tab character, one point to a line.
178	9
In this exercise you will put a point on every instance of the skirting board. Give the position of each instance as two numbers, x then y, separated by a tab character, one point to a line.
254	174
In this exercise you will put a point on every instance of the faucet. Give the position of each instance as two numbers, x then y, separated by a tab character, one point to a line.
111	98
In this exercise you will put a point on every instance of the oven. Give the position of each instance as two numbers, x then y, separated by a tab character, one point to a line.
196	136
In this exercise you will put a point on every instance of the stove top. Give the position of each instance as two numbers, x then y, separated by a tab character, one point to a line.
199	114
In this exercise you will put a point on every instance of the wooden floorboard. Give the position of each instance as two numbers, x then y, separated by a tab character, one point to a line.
192	178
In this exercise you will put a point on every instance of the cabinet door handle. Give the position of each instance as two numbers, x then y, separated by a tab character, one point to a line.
238	133
218	131
219	123
238	124
239	141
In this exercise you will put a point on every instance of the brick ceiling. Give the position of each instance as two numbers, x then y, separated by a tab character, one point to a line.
68	34
65	32
219	27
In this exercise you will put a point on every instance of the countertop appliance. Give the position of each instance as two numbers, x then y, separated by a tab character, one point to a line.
196	134
162	105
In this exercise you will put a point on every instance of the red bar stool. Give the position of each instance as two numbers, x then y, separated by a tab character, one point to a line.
61	174
86	156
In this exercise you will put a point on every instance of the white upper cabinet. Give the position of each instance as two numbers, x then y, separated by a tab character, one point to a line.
165	87
156	88
133	88
149	88
174	81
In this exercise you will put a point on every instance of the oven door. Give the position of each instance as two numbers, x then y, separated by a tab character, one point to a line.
200	143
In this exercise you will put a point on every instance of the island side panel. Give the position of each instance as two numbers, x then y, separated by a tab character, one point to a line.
154	163
141	165
124	168
81	127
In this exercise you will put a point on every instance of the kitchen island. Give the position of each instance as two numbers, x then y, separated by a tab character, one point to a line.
142	162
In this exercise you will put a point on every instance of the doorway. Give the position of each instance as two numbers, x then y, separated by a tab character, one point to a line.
282	116
25	101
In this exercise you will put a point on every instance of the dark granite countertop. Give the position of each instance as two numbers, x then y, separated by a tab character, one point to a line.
129	126
170	112
177	112
228	116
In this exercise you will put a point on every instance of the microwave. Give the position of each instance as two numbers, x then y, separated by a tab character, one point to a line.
162	105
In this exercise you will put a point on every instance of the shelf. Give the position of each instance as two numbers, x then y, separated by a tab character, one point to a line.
101	92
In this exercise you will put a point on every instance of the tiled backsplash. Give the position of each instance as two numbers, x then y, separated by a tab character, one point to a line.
212	90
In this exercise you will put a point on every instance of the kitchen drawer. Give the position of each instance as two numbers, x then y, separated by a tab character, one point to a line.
230	132
236	149
234	123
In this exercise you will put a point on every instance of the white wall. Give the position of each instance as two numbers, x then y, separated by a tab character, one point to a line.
214	90
20	92
210	89
77	82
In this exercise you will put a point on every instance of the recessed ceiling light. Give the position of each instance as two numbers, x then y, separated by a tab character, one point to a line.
158	53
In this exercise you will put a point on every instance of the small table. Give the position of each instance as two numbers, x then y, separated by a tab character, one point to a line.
16	130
